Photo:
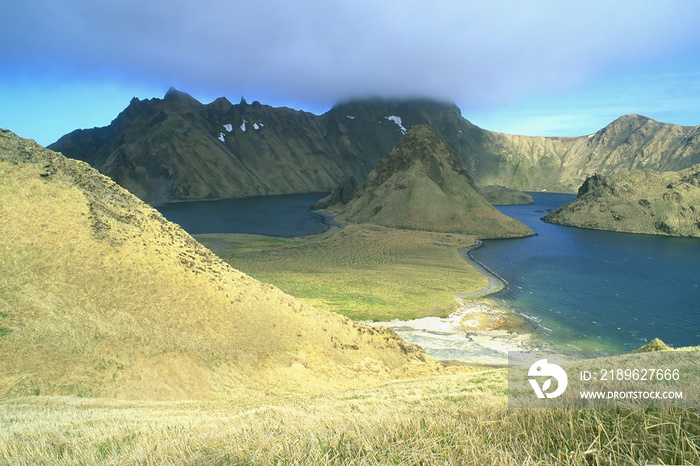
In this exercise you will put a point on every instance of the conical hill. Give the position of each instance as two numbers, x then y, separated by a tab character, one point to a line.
422	185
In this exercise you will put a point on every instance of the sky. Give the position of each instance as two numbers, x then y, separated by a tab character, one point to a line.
538	68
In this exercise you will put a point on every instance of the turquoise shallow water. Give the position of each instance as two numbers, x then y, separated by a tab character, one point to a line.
597	290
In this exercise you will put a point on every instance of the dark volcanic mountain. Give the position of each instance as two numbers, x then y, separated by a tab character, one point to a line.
422	185
178	148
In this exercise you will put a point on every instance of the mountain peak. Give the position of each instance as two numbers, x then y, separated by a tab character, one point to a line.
175	95
422	185
420	144
632	119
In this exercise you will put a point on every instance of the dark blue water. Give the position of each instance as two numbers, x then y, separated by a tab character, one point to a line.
285	215
596	290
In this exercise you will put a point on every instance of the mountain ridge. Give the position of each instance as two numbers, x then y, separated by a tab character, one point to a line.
176	148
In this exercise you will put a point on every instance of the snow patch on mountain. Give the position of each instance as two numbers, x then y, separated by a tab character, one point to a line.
398	122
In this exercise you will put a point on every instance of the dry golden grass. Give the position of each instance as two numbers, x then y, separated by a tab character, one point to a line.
365	272
100	296
456	419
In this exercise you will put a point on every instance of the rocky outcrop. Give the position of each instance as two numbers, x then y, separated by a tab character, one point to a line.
340	195
500	195
645	201
422	185
654	345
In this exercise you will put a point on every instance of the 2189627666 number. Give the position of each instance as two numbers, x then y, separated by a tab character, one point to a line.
639	374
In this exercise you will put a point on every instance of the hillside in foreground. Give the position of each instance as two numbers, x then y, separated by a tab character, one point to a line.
423	185
100	296
644	201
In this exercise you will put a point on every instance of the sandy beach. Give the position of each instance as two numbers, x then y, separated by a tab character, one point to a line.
478	332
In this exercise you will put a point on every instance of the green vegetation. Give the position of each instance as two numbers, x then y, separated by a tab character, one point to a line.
3	330
365	272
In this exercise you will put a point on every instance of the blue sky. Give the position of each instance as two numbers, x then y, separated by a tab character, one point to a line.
550	68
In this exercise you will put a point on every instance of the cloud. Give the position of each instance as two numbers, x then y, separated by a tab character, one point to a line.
474	53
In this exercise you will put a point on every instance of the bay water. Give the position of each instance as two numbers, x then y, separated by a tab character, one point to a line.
284	215
597	290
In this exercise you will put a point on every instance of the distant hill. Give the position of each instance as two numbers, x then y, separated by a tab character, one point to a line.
632	142
644	201
178	148
422	185
500	195
100	296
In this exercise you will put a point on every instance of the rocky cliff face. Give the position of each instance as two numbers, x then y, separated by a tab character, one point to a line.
631	142
178	148
642	201
423	185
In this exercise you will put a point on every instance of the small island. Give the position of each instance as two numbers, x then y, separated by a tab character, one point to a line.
502	195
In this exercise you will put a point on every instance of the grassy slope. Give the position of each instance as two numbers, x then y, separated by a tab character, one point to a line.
84	305
100	296
365	272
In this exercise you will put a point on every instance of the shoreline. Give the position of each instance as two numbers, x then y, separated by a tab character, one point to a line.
495	283
331	226
478	332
